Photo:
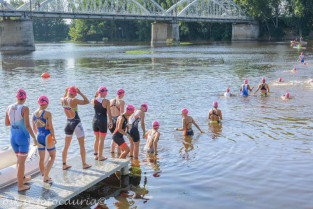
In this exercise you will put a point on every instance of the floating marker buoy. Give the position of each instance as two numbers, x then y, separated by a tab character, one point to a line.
45	75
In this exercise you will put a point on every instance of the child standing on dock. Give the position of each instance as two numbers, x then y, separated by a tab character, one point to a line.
17	116
42	125
117	108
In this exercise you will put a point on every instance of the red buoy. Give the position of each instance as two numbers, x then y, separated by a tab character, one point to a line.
45	75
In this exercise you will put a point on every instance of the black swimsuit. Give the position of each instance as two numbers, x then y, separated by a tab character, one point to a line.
99	123
117	136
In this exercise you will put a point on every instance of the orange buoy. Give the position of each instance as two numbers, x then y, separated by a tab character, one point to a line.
45	75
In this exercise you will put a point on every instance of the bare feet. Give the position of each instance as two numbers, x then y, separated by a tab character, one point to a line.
46	179
102	158
95	156
65	167
23	188
85	166
26	178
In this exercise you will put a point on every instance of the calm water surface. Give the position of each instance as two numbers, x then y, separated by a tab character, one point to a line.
261	156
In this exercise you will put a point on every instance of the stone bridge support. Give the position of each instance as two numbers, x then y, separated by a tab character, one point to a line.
16	36
163	34
245	31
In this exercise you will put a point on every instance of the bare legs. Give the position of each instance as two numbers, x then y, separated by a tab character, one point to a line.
134	148
20	173
125	151
67	143
99	145
45	172
82	150
113	145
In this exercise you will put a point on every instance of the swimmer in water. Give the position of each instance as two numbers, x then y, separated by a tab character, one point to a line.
187	124
152	137
215	115
117	108
42	125
100	121
244	88
286	96
280	80
73	124
293	70
301	58
227	93
263	87
137	117
17	117
120	131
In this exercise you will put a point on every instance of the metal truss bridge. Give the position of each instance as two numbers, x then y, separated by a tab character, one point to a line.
221	11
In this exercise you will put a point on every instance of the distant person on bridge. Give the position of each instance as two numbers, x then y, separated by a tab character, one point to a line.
263	87
117	108
73	125
100	121
17	117
244	88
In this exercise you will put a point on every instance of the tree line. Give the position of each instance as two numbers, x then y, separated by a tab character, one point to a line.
277	18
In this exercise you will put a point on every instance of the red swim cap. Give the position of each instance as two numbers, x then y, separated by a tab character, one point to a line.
72	90
43	100
20	94
102	90
144	107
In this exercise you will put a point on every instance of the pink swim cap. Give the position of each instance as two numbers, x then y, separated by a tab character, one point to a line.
72	90
263	80
130	109
246	81
287	95
43	100
20	94
215	104
120	92
184	111
144	107
227	90
294	69
301	53
102	90
280	79
155	124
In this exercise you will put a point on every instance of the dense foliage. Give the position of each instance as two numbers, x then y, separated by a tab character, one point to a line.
50	29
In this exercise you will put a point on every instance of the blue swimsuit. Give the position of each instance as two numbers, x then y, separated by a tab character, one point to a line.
43	133
244	91
19	136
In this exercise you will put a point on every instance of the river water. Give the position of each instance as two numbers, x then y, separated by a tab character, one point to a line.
261	156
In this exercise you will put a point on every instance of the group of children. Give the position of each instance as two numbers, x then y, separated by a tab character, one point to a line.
120	123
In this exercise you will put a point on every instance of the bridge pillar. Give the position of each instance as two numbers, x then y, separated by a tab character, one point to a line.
16	36
163	34
245	32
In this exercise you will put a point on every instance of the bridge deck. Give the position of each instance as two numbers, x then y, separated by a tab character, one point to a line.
38	14
66	184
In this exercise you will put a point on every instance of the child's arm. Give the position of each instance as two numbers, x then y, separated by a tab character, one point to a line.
197	126
155	143
183	124
146	135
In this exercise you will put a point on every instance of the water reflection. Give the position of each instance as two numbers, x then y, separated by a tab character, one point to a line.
215	130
